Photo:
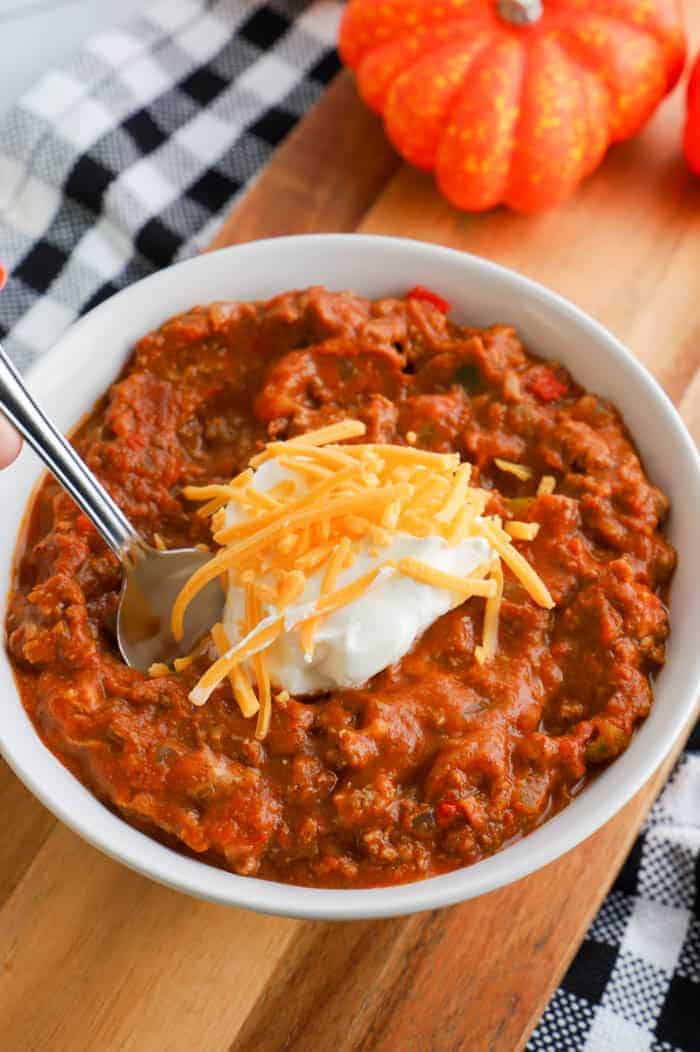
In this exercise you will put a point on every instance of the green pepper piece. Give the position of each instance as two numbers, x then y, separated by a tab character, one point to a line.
469	377
518	505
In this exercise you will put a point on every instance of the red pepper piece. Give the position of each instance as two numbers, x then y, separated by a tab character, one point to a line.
83	524
546	386
445	812
421	293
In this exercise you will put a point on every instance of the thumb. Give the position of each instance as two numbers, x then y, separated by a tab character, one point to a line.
10	443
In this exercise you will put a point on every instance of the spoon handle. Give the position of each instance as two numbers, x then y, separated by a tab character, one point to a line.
64	463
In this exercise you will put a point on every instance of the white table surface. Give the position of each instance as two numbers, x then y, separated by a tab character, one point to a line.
36	34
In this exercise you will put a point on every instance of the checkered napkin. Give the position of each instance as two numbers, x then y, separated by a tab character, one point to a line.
127	158
634	985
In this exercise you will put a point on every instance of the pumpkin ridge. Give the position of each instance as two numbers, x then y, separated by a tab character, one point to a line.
525	69
596	150
620	19
586	64
575	50
470	25
666	29
464	87
375	71
478	186
620	127
395	24
457	98
375	61
596	139
527	169
397	113
488	41
579	57
572	16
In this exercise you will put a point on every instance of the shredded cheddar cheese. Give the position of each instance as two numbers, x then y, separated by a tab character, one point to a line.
457	496
522	531
517	564
158	669
519	470
340	500
261	637
336	563
253	616
242	690
334	433
465	587
487	650
323	456
547	485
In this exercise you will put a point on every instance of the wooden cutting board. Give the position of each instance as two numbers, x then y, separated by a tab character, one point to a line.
95	957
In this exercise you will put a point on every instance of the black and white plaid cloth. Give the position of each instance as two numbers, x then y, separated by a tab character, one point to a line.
125	159
634	985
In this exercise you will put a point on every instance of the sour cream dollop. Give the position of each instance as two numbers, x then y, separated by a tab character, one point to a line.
374	631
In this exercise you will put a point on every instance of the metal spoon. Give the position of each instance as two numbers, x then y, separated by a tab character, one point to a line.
152	579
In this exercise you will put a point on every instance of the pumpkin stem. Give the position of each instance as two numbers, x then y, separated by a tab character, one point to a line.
520	12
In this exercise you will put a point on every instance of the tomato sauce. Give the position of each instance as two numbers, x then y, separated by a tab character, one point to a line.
438	761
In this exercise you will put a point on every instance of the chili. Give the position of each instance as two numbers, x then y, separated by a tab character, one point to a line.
438	761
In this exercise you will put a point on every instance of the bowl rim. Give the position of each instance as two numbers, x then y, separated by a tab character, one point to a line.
117	839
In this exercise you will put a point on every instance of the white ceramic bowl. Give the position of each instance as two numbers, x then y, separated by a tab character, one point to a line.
69	379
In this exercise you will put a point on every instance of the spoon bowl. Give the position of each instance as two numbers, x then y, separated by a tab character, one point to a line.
152	583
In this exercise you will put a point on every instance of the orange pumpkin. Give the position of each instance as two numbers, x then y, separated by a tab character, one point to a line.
512	101
692	124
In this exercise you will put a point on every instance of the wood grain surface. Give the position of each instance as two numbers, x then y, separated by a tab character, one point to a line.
95	957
